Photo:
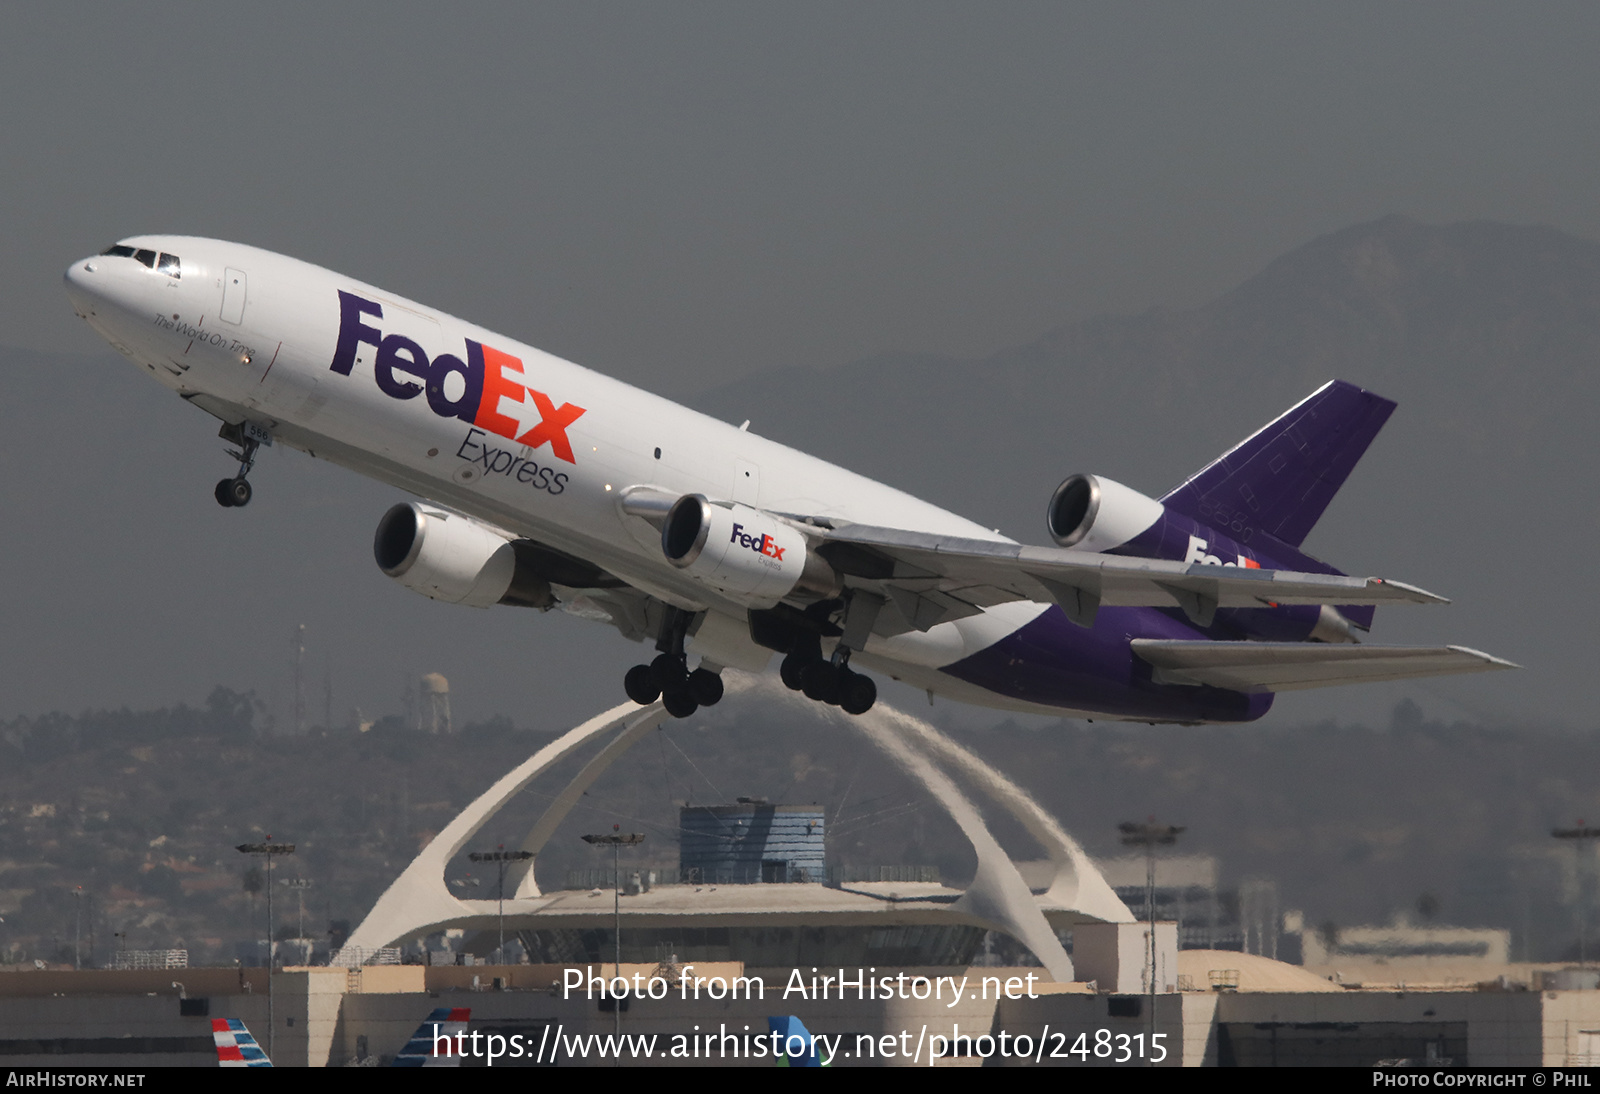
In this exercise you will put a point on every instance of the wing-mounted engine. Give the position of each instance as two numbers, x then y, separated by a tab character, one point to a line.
1091	513
752	556
451	557
445	556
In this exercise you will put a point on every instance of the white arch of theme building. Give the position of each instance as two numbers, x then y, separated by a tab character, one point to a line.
419	903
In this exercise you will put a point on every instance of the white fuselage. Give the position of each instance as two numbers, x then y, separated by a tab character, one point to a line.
251	335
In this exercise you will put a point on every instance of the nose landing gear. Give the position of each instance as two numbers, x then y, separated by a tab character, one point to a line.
233	492
236	492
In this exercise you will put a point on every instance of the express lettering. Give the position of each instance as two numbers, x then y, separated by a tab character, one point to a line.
500	461
487	389
763	544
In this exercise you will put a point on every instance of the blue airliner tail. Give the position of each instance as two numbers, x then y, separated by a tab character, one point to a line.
792	1033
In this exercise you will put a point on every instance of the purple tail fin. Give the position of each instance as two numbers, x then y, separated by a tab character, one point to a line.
1281	478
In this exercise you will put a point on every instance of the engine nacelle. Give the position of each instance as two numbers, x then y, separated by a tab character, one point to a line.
750	555
1096	514
445	556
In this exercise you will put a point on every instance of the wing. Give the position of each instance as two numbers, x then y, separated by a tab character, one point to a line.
1292	666
932	579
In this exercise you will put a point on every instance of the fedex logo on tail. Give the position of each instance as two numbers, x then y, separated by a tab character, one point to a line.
487	388
1197	553
762	544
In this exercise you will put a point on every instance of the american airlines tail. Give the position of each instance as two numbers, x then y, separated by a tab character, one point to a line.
235	1045
435	1043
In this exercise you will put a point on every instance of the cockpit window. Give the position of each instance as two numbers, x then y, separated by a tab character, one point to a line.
164	263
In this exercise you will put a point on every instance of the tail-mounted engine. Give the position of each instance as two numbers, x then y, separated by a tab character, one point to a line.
1090	513
745	553
1096	514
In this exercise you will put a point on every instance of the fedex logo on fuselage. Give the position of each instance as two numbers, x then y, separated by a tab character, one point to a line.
487	389
1197	553
762	544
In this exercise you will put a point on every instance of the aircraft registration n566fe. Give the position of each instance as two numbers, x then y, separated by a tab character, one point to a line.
545	485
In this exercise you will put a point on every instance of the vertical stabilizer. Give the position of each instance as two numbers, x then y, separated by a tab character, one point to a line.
796	1047
436	1042
235	1046
1281	478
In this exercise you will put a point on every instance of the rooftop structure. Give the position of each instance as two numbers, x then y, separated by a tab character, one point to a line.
751	841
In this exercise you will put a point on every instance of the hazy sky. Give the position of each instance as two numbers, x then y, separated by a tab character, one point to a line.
681	193
678	195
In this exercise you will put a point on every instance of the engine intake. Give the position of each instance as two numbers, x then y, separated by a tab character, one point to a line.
1096	514
450	557
445	556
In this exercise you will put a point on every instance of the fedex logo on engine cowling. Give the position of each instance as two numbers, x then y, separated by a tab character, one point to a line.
1197	553
762	544
488	388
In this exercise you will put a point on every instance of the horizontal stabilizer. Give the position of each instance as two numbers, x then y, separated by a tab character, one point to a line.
1292	666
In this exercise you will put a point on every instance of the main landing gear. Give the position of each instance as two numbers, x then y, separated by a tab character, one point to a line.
832	681
804	669
668	677
236	492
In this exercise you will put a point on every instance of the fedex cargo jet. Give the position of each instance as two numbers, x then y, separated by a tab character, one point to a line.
543	485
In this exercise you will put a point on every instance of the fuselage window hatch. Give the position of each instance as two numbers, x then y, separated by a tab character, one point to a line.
148	257
170	266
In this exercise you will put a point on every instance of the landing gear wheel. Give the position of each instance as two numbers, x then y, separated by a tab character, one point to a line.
820	681
222	493
857	693
678	701
639	685
667	671
239	492
705	687
792	669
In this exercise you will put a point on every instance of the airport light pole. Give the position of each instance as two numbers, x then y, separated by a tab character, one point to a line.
616	841
268	849
500	856
1578	835
1149	835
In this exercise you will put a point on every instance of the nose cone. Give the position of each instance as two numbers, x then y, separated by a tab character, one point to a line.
85	283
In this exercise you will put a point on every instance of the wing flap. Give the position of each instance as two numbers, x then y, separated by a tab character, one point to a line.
1293	666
